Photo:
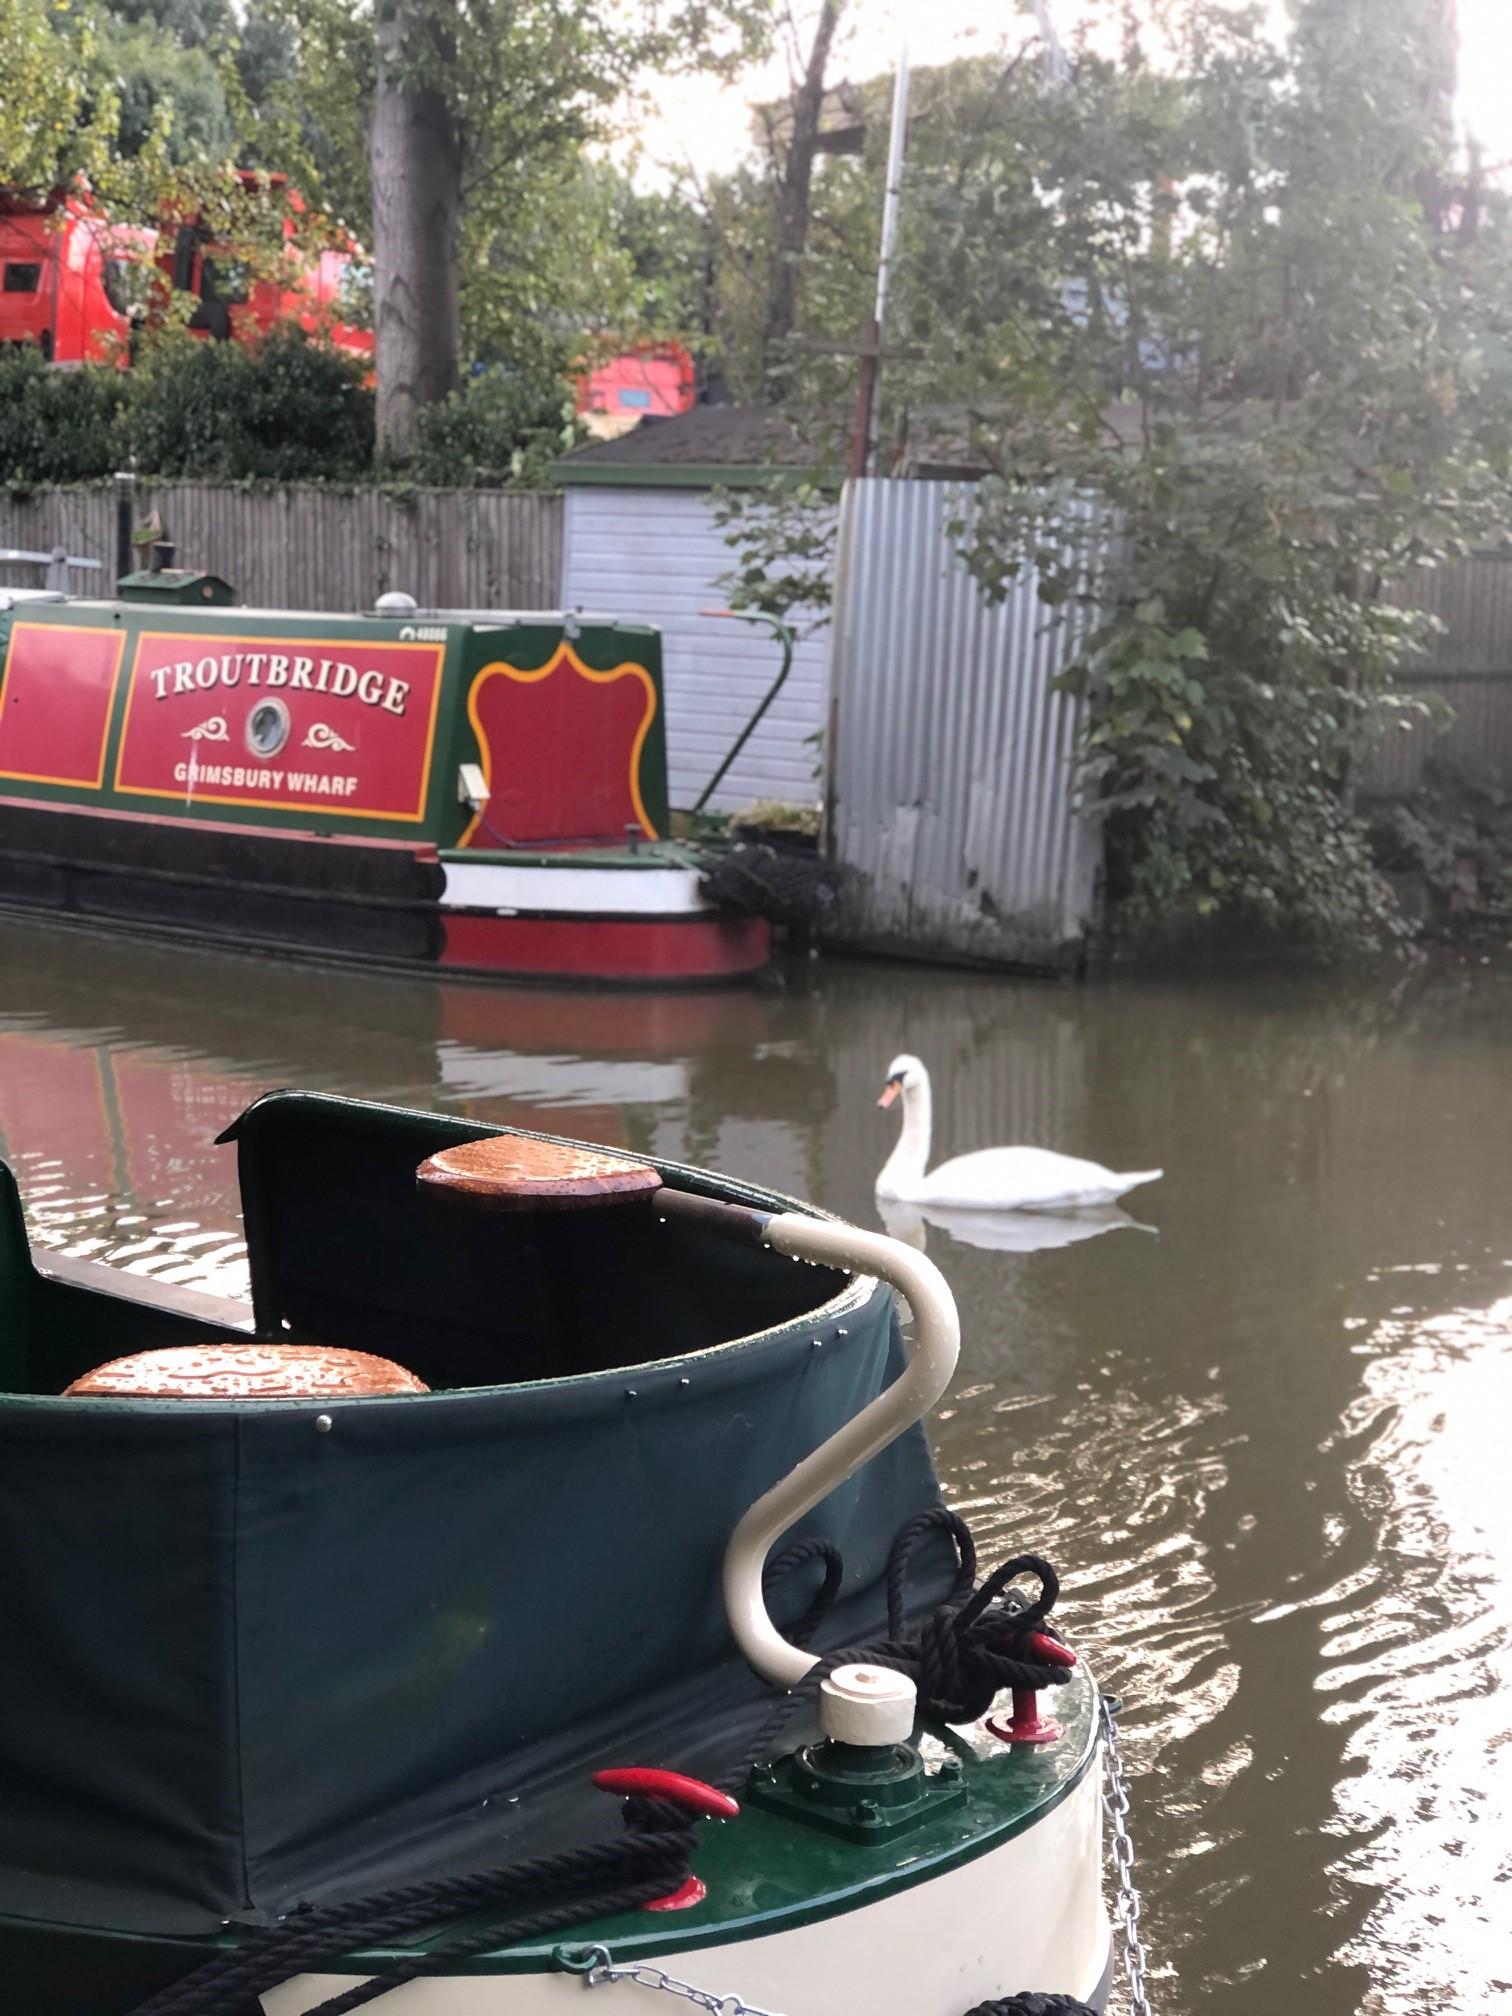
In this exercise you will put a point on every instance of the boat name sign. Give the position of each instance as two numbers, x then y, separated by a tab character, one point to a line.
360	715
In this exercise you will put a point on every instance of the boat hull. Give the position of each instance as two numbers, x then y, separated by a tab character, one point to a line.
1027	1914
373	901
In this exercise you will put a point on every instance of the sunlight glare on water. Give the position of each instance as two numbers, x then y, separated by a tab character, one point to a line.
1259	1421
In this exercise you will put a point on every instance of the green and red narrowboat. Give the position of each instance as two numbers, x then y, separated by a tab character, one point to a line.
480	794
545	1588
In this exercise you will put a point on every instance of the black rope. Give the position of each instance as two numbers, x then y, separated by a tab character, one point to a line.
650	1859
960	1656
1034	2005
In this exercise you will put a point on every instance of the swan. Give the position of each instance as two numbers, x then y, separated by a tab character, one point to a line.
993	1179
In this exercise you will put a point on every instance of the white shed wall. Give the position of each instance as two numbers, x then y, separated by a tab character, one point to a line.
655	556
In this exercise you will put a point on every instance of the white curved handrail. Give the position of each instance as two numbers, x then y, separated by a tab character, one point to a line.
932	1355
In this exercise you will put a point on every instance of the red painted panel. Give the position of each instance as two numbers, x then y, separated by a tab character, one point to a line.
560	749
55	697
338	726
697	948
53	1111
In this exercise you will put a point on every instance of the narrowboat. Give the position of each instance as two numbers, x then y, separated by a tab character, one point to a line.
544	1586
479	793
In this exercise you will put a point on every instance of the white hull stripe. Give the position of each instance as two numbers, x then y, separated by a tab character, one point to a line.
508	890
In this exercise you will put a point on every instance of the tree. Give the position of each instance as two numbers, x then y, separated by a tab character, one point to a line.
464	110
790	237
52	127
418	157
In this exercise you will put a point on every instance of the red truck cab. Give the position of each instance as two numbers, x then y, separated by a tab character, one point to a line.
79	286
314	288
69	280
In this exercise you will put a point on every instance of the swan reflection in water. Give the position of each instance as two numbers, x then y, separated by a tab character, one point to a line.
1003	1231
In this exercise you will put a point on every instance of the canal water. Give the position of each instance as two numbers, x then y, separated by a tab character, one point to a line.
1263	1427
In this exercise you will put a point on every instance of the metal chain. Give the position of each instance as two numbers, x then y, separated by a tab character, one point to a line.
1126	1905
597	1965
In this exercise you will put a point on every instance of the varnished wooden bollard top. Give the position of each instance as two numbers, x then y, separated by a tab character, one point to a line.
507	1172
227	1371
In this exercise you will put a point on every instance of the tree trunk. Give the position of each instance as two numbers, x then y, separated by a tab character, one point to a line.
416	159
793	198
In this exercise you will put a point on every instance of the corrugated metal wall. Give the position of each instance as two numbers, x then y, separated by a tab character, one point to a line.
655	556
311	548
952	794
1469	666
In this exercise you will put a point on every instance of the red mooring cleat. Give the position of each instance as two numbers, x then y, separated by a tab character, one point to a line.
704	1801
1027	1725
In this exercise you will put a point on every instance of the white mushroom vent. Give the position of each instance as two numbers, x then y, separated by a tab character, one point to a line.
867	1705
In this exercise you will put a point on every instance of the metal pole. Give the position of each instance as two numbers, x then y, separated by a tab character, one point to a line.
861	444
896	142
1057	64
125	493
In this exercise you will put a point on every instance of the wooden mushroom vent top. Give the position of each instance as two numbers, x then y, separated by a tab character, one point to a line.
224	1371
508	1172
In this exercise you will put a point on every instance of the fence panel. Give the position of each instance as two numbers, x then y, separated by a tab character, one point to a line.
1468	665
312	548
953	801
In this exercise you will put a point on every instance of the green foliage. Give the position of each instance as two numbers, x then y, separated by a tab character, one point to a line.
162	88
53	126
290	411
499	430
56	426
783	536
557	252
287	411
1456	832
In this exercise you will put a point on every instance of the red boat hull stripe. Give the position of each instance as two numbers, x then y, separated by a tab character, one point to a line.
684	948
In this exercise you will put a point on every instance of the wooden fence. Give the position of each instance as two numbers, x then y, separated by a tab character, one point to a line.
313	548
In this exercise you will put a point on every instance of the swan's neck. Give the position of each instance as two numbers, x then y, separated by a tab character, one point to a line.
905	1167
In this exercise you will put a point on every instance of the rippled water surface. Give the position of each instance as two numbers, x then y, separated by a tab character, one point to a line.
1264	1430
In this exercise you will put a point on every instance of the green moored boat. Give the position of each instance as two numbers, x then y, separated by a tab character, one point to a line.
546	1584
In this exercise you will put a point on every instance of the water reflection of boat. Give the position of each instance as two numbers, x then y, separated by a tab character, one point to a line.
356	1683
1003	1231
113	1122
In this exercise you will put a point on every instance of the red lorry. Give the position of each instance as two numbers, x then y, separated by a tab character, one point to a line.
80	286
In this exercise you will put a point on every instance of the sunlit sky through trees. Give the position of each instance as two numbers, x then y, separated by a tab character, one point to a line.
706	126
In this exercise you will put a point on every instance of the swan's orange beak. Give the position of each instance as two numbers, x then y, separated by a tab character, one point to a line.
890	1091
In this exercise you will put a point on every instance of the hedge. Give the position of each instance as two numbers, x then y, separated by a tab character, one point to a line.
290	410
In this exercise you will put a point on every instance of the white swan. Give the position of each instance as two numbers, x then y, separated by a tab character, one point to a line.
994	1179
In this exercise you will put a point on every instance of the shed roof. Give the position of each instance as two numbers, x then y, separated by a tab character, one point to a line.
708	445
